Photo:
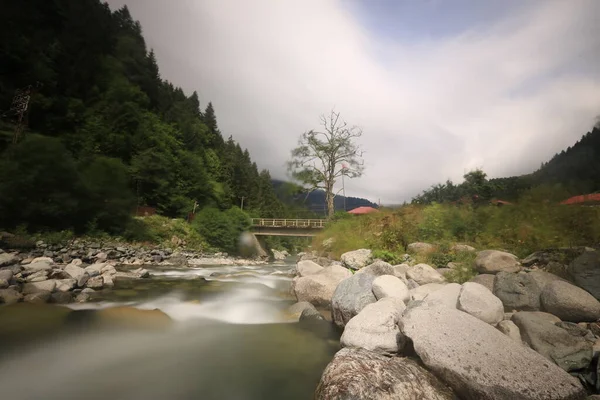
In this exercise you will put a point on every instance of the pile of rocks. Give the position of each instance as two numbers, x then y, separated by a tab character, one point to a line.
41	280
509	333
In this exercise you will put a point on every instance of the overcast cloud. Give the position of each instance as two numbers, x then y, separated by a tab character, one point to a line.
502	94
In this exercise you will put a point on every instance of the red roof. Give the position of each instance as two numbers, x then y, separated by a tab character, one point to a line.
584	198
363	210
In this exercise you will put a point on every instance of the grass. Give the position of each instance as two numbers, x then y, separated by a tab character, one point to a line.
521	229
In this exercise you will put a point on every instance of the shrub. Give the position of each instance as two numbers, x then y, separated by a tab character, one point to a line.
388	256
222	229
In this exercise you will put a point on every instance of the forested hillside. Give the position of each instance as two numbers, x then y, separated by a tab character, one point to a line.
104	130
571	172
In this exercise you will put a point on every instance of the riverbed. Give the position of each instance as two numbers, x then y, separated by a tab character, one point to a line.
231	338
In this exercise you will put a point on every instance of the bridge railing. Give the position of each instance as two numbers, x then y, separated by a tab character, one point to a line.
288	223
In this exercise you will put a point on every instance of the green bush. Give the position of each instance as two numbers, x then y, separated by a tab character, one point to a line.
388	256
222	229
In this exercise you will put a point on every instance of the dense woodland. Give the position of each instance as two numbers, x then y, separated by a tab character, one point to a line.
105	132
571	172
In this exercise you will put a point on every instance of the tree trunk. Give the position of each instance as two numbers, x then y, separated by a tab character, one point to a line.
329	199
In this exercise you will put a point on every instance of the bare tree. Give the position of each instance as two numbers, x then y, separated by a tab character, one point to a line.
324	156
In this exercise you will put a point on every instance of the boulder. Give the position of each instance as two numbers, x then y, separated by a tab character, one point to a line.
3	284
356	259
311	314
35	287
390	286
517	291
355	293
477	300
61	297
420	248
101	257
355	374
494	261
486	280
95	282
296	309
538	329
569	302
108	280
420	292
94	269
10	296
377	268
38	266
6	274
543	278
7	259
375	328
400	271
510	329
108	269
585	271
424	274
38	276
445	297
318	288
47	260
65	285
82	297
479	362
37	298
462	247
75	271
307	267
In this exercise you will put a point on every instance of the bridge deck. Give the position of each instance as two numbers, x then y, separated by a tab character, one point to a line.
288	223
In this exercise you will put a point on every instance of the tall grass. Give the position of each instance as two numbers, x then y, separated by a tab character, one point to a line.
523	228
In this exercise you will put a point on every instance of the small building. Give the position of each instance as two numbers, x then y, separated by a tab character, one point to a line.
363	210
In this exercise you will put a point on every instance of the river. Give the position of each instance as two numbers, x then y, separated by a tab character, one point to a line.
231	339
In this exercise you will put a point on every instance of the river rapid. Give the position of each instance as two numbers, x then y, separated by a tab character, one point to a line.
231	338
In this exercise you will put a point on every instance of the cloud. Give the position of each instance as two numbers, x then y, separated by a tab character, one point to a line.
503	96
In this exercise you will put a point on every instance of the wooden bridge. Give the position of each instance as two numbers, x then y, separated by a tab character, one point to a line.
287	227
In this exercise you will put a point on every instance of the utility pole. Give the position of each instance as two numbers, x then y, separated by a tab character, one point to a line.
20	108
242	206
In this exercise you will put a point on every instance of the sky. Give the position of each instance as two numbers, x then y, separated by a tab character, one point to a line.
439	87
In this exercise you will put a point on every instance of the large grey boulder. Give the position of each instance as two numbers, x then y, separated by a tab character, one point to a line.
7	259
356	259
377	268
420	292
10	296
3	284
307	267
446	297
35	287
77	273
569	302
543	278
510	329
420	248
477	300
517	291
96	282
296	309
38	276
94	269
318	288
538	329
65	285
462	247
61	297
487	280
6	274
585	271
355	293
356	374
375	328
424	274
479	362
390	286
36	266
494	261
38	297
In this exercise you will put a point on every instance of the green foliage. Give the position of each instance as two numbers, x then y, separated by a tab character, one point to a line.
112	127
388	256
465	267
222	229
523	228
168	232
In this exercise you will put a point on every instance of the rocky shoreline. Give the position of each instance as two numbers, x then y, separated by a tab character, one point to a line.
77	270
515	331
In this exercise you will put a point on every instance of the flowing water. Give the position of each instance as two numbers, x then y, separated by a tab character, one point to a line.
231	339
